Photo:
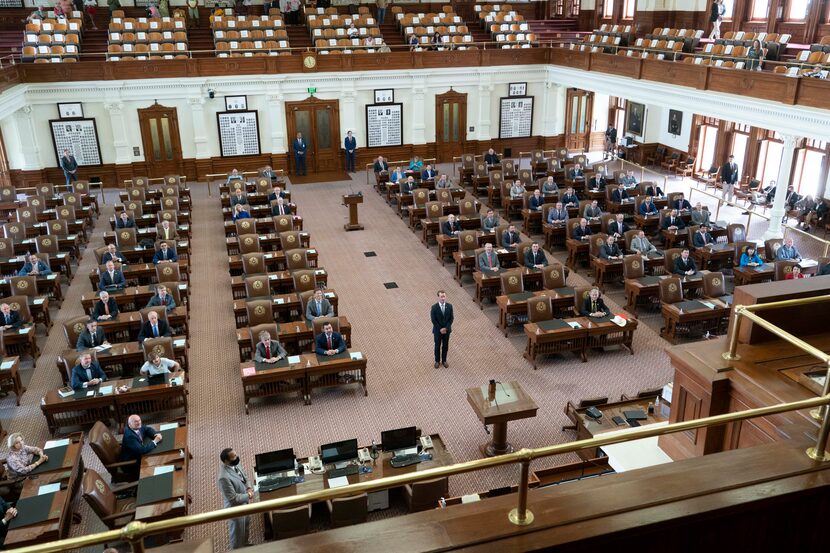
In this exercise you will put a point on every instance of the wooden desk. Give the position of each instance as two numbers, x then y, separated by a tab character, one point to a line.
275	258
126	357
175	506
648	287
49	285
151	220
514	306
274	262
586	427
282	282
262	223
70	243
606	269
10	378
694	314
714	255
22	339
140	254
148	400
555	234
431	228
286	307
131	298
144	273
511	403
127	324
465	260
183	232
541	341
296	337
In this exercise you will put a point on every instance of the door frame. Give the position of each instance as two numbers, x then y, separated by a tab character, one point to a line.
571	137
440	99
144	116
312	156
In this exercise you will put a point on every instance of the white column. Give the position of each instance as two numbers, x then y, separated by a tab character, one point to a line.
348	116
197	114
418	116
28	142
781	184
276	119
483	124
123	150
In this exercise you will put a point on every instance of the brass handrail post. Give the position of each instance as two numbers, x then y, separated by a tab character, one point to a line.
732	354
134	532
521	516
821	412
820	453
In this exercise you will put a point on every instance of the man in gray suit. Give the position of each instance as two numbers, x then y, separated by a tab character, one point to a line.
318	306
640	244
236	490
488	260
268	350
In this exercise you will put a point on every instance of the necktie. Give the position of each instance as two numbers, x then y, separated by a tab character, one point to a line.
112	278
319	310
166	233
593	307
268	350
106	308
155	331
138	433
8	319
490	260
89	373
93	338
328	336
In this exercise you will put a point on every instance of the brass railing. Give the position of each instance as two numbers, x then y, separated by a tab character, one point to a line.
135	532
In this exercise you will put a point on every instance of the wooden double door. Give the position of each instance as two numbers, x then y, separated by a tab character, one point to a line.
450	125
319	121
160	138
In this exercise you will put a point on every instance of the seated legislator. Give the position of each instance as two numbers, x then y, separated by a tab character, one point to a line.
381	166
536	201
488	260
329	342
408	185
9	318
34	267
618	227
570	199
640	244
124	221
594	306
491	157
535	258
239	198
648	207
87	372
510	237
684	264
610	250
268	173
620	195
276	192
281	207
20	460
113	254
428	173
549	187
597	182
450	226
592	211
628	180
702	238
576	172
240	212
582	231
318	306
443	182
654	191
673	222
105	308
133	446
788	252
157	364
750	258
111	278
166	231
7	513
165	254
162	297
681	203
91	337
234	175
517	190
700	216
153	327
416	164
557	215
268	350
397	175
489	222
795	273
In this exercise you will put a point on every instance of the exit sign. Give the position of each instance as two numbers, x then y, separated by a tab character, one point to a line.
312	89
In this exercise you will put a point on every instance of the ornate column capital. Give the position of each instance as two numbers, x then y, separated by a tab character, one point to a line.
196	102
114	108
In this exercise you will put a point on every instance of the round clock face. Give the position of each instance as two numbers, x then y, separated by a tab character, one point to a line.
310	61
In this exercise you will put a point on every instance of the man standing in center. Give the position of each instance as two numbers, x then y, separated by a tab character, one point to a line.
236	489
350	145
300	147
442	319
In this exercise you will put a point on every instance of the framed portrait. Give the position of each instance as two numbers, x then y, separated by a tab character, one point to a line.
675	122
517	89
236	103
635	118
72	110
385	96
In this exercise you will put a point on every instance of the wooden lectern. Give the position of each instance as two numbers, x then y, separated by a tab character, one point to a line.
352	200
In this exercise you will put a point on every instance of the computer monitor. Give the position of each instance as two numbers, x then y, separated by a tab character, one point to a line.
338	451
400	438
274	461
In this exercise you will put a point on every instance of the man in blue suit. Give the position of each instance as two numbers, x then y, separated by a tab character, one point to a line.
162	298
132	444
350	145
111	278
442	318
113	254
87	372
9	319
165	254
428	173
329	342
34	267
300	147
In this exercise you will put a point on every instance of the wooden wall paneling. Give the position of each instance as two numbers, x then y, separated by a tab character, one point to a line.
681	74
759	85
617	65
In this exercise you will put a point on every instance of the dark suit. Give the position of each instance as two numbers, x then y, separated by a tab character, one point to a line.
161	256
13	320
676	222
700	240
824	270
536	203
648	208
448	228
532	260
4	529
580	232
79	376
598	183
441	319
106	281
381	166
86	340
241	200
606	251
99	310
147	330
654	191
590	306
42	268
428	174
350	145
110	257
619	195
285	209
300	147
680	266
70	168
273	196
616	228
592	212
682	204
576	174
570	199
121	223
133	446
491	159
729	173
509	239
169	303
321	344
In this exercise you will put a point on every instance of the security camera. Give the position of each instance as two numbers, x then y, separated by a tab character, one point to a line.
211	93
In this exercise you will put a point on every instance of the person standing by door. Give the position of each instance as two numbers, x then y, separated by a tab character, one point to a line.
300	148
70	167
442	318
350	145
